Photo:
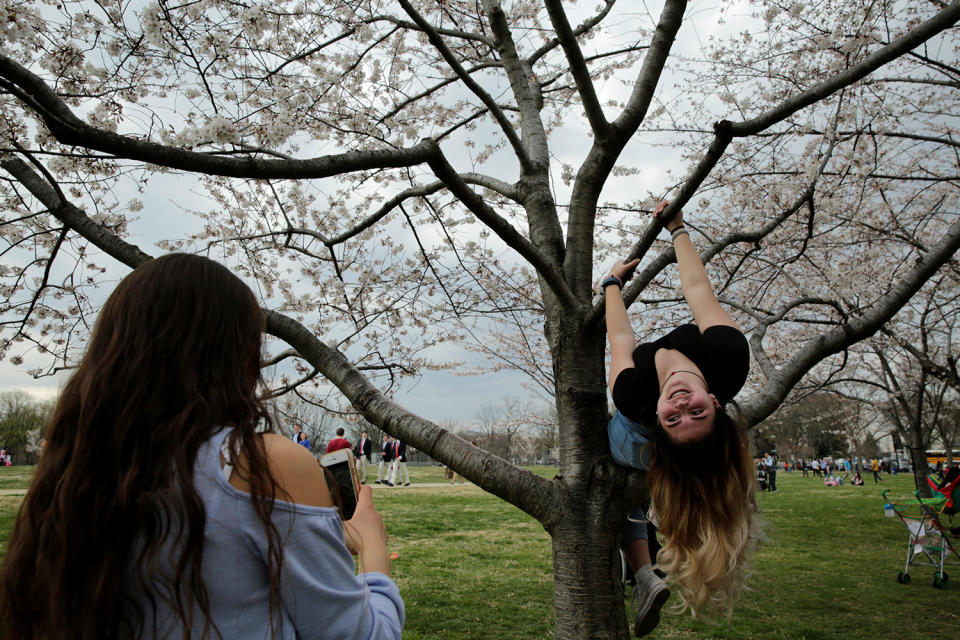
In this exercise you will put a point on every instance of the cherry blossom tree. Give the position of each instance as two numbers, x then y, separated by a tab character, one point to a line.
394	176
913	368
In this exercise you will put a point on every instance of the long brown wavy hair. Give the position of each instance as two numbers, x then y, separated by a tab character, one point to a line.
112	510
704	495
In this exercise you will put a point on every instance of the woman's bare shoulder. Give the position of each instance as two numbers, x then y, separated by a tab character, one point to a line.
297	472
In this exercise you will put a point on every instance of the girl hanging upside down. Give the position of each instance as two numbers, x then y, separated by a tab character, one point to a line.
671	397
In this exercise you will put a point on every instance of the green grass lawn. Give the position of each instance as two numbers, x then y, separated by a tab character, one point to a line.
15	477
473	567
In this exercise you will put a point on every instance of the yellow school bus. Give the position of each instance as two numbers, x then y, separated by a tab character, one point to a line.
940	455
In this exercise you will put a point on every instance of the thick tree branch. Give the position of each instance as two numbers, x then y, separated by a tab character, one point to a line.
653	63
453	33
779	382
535	495
584	27
605	152
487	182
913	38
505	189
578	69
504	230
943	372
70	130
71	215
522	84
643	278
725	130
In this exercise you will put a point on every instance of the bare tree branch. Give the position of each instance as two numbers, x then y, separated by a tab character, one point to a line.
526	90
782	380
725	130
70	130
578	68
471	84
504	230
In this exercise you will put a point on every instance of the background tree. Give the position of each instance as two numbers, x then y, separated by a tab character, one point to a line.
817	425
390	177
318	423
503	427
914	405
22	419
926	335
905	372
545	433
947	429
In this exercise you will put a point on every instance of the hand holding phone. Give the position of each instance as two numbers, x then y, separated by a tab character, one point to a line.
366	536
344	471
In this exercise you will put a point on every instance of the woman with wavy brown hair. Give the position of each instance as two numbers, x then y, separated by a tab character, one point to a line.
672	397
165	506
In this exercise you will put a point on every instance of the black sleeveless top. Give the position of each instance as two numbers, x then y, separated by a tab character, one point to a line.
721	353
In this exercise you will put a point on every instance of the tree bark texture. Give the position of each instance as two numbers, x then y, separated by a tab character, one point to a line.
588	598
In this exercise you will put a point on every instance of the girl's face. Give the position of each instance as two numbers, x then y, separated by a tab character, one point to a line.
685	409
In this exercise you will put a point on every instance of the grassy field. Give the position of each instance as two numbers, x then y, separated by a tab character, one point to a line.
473	567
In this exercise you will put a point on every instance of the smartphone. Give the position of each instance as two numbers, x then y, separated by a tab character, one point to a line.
344	471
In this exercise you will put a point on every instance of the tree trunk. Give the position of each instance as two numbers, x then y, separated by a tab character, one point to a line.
588	596
918	460
597	493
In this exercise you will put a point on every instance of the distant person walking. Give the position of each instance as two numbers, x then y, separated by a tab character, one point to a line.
398	471
386	457
875	468
339	442
770	462
362	453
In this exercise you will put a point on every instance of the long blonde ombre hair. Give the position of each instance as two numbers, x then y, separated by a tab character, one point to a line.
704	495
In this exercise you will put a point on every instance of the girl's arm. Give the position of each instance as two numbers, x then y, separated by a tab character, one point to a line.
301	480
619	331
694	283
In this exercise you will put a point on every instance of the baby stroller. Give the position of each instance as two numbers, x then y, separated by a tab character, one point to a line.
929	541
762	477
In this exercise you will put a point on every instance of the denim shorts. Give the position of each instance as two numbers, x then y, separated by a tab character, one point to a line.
629	443
630	447
634	528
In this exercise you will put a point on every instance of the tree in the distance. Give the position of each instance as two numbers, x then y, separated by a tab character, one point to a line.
392	177
22	419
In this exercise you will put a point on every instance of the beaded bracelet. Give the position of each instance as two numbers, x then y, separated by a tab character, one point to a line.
611	279
679	231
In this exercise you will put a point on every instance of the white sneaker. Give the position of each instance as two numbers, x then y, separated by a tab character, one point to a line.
648	599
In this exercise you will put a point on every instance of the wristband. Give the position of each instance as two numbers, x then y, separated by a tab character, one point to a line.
679	231
609	280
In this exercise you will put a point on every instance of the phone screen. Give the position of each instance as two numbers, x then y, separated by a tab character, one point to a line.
343	476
